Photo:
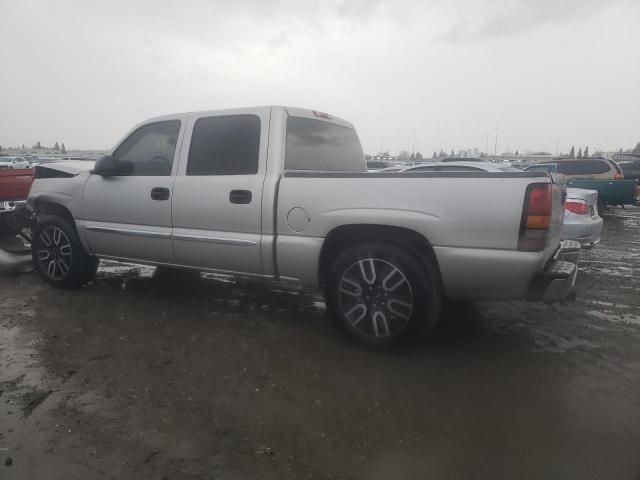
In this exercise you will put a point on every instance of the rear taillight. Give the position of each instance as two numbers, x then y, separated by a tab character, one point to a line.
618	176
536	218
579	207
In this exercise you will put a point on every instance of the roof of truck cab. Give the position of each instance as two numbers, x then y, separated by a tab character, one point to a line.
291	111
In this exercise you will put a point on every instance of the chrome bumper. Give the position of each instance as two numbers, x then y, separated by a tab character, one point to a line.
12	206
556	283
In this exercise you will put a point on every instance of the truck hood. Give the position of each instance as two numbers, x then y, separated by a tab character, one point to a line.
72	167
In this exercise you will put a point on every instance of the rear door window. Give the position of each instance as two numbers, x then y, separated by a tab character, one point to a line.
319	145
583	167
225	145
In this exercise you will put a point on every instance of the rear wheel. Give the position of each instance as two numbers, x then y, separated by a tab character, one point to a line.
379	294
58	254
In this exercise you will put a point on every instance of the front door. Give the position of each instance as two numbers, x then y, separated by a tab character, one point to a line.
217	196
129	216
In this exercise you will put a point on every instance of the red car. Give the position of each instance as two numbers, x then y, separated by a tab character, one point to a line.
15	184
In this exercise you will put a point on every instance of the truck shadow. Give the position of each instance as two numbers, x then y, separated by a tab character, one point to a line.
196	293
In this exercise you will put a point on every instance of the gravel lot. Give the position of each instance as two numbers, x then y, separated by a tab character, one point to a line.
149	375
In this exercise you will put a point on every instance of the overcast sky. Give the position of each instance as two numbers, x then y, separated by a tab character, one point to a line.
541	71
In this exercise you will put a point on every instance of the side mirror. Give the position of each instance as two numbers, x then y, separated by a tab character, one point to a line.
107	166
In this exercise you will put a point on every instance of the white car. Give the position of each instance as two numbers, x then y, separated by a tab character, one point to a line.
459	166
13	163
581	219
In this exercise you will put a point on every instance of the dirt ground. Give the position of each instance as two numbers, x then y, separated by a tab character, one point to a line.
147	375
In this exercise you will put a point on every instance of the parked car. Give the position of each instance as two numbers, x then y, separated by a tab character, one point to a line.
395	168
15	163
461	166
581	219
280	192
376	165
631	170
15	184
594	173
464	159
14	188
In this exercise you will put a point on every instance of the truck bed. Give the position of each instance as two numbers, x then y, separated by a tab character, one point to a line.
471	219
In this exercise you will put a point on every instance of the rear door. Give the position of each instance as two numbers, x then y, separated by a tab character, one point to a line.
217	195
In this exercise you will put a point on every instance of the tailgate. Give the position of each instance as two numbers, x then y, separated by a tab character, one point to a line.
15	184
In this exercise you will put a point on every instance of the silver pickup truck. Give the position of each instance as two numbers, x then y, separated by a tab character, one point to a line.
281	192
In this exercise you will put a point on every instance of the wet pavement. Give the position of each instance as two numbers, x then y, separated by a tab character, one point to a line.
151	375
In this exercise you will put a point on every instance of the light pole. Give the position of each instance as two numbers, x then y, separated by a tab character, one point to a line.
413	150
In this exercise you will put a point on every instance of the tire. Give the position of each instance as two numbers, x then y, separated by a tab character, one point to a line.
602	204
379	294
58	255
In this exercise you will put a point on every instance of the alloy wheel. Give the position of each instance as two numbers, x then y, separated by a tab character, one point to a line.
54	254
376	297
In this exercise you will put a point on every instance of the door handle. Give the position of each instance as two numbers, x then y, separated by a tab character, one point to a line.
160	193
240	196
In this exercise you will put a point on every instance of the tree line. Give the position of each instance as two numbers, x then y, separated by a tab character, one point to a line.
58	147
572	153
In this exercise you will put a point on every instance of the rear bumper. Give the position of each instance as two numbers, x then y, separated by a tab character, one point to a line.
587	231
557	281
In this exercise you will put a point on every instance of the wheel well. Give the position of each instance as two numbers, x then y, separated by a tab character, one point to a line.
346	235
50	208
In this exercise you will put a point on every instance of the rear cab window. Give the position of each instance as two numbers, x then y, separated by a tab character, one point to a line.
322	146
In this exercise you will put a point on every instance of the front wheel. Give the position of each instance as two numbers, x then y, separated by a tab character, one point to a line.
379	294
58	254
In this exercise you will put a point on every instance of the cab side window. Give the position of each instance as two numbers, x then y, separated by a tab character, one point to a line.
225	145
150	149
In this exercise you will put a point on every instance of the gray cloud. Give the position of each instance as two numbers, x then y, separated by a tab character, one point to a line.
505	17
85	72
